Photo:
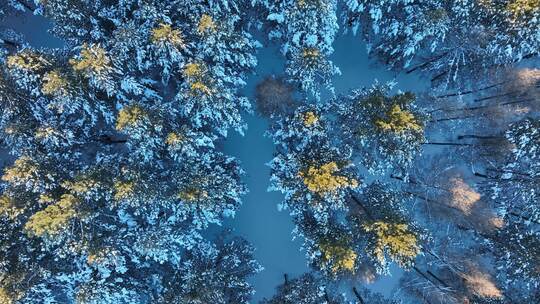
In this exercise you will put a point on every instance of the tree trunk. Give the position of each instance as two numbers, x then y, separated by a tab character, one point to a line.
419	66
507	171
359	203
453	118
410	181
423	275
493	105
437	278
26	5
358	296
470	91
446	144
108	140
439	76
480	136
495	96
432	201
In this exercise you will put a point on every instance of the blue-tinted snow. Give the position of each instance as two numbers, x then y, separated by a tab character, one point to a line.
33	28
258	220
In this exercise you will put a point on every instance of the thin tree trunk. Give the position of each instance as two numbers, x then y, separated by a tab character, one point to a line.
358	296
426	63
397	177
453	118
433	201
437	278
507	171
439	76
447	264
359	203
495	96
446	144
471	91
480	136
26	5
493	105
484	176
11	43
423	275
410	181
480	107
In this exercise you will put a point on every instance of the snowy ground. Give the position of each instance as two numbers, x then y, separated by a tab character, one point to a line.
258	220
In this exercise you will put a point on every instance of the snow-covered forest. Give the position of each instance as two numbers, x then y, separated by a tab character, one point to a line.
270	151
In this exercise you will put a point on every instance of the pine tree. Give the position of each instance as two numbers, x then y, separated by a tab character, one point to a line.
516	186
306	31
380	223
451	41
386	131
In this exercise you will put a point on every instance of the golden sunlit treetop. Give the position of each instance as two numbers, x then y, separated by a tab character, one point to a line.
206	24
192	194
200	87
54	84
82	185
130	116
195	72
27	60
53	218
398	121
22	170
324	179
45	198
4	298
311	56
310	118
311	52
45	132
123	190
192	70
164	33
93	59
8	207
174	139
520	8
395	240
338	257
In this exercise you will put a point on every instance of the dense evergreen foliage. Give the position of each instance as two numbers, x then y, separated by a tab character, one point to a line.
115	183
116	171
